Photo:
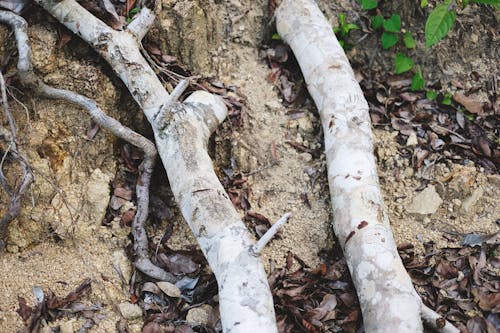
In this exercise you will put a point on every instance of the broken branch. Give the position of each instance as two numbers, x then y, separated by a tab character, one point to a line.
266	238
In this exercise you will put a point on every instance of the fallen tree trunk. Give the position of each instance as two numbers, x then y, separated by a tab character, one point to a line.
388	300
181	132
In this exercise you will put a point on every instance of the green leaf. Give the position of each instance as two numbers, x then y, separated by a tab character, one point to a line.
388	40
351	26
377	22
446	99
393	23
423	3
369	4
417	82
408	40
438	24
431	95
488	2
276	36
134	11
402	63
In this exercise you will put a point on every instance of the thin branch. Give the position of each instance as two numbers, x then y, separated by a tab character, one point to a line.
29	78
436	321
266	238
27	178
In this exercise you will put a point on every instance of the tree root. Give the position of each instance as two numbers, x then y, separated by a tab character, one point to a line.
389	303
29	79
181	134
27	178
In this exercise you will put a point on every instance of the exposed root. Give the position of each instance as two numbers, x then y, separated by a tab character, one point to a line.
17	192
29	79
245	299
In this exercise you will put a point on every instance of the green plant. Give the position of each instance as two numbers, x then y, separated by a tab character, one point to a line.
132	13
431	95
402	63
342	30
446	99
368	4
442	18
417	82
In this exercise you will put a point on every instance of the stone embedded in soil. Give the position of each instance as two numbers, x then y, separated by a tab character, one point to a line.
200	316
469	202
425	202
412	140
169	289
129	310
122	263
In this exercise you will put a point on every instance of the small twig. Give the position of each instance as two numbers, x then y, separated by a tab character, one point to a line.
266	238
436	321
449	131
259	170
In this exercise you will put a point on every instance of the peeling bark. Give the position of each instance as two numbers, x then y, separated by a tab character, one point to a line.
388	300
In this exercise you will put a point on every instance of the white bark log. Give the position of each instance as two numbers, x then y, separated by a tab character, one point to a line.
388	300
244	295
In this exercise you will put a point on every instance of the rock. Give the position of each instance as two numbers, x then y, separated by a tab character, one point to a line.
67	327
97	195
409	172
463	177
469	202
169	289
306	124
116	203
425	202
200	316
273	106
129	310
412	140
122	263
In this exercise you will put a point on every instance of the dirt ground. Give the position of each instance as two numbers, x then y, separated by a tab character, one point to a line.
59	239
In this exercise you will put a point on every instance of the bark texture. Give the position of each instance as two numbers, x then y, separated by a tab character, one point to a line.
388	300
181	138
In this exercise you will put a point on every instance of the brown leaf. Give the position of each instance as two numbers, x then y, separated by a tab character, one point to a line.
124	193
476	325
55	302
24	310
329	303
470	104
152	327
178	264
127	218
258	217
183	329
